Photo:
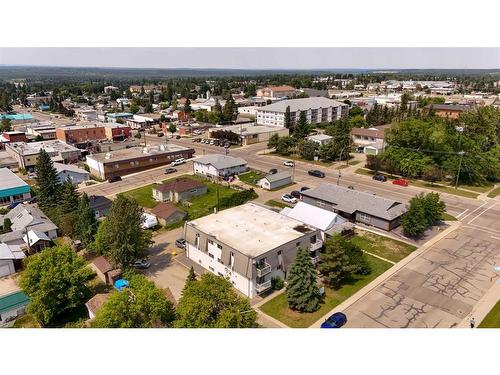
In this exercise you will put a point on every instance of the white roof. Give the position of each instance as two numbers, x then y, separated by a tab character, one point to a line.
11	252
319	137
314	216
35	236
60	167
8	179
302	104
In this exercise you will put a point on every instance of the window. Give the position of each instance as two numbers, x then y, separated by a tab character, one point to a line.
313	239
279	252
197	241
211	269
210	242
297	244
220	274
220	261
219	246
364	217
211	255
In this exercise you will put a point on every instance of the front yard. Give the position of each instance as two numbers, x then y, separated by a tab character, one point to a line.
384	247
278	306
252	177
492	320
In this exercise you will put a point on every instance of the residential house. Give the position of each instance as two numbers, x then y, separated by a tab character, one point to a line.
249	245
356	206
167	213
95	303
274	181
320	139
11	257
372	140
75	174
12	188
181	189
105	271
449	111
217	166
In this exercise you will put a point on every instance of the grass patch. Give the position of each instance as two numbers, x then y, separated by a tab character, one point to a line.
252	177
143	196
27	321
448	217
278	306
384	247
279	204
492	320
298	158
354	162
479	188
494	193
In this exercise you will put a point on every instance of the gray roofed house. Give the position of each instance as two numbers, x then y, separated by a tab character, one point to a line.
320	139
273	181
358	206
216	165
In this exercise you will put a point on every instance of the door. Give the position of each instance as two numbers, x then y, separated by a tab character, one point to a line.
4	270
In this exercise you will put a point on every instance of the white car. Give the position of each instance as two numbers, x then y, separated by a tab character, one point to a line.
178	161
288	163
288	198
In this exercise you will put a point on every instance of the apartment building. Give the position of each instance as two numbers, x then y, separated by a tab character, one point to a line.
26	154
249	245
317	110
81	135
135	159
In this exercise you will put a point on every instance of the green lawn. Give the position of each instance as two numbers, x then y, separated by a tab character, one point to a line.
278	306
384	247
26	321
279	204
424	184
298	158
494	193
143	196
251	177
492	320
448	217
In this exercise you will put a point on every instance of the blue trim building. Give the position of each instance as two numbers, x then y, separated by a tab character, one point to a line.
12	188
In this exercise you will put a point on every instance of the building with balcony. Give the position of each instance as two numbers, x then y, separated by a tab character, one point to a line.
317	110
249	245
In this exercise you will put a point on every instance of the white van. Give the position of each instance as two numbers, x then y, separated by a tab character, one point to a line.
179	161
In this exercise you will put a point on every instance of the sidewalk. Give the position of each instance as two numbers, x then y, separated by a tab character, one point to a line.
264	319
483	307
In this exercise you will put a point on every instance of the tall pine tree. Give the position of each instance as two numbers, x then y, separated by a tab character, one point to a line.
335	264
86	222
288	118
302	292
301	129
48	186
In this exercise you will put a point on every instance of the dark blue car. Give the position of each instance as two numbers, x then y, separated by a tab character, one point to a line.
337	320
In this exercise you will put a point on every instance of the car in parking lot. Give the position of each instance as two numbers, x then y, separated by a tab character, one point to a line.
336	320
316	173
380	177
170	170
350	187
295	194
273	171
142	264
180	243
288	163
178	161
114	179
288	198
401	182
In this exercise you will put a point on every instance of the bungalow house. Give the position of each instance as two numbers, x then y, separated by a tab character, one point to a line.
167	213
11	257
105	271
181	189
219	166
75	174
356	206
274	181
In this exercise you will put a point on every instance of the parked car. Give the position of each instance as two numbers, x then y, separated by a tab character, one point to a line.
295	194
316	173
177	137
216	142
160	134
14	204
170	170
288	198
142	264
202	141
114	179
288	163
380	177
180	243
178	161
350	187
212	142
273	171
336	320
401	182
360	149
304	188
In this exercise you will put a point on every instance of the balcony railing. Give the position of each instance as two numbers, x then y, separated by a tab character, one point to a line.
263	269
315	259
316	246
263	286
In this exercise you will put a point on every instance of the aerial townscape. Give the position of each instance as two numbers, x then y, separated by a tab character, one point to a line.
150	198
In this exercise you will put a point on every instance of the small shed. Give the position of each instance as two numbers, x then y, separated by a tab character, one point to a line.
274	181
95	303
167	213
104	270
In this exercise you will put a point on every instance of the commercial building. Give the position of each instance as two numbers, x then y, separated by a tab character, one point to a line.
86	114
113	117
317	110
320	139
12	188
13	136
356	206
46	132
252	133
276	92
135	159
249	245
26	154
219	166
117	132
81	135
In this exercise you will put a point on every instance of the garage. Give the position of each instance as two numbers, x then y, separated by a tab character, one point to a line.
5	269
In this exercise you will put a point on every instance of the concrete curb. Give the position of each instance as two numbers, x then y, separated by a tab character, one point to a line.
387	274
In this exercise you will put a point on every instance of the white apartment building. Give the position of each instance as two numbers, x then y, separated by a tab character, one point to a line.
317	110
249	245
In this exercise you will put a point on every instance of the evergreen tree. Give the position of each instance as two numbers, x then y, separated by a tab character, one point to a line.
187	106
86	222
229	109
47	182
335	264
288	119
67	209
191	275
301	129
302	292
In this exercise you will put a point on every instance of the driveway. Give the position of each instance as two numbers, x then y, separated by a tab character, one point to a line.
8	284
439	288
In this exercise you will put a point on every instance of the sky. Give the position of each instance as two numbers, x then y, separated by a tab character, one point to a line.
257	58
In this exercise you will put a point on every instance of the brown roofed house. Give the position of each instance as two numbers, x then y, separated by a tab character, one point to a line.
104	270
180	190
95	303
167	213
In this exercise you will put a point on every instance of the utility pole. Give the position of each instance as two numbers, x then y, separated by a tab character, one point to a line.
460	152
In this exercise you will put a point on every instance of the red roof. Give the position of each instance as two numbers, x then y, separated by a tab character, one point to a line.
164	210
102	264
179	185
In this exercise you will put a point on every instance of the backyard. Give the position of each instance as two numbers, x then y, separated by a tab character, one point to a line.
252	177
278	306
381	246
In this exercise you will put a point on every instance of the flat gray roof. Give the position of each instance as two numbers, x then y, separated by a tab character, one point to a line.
301	104
221	161
9	179
33	148
136	152
251	229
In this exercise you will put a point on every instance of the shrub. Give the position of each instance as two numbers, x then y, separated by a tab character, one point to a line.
277	283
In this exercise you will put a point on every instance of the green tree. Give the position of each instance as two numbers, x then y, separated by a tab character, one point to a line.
5	125
122	237
134	107
434	207
191	275
414	222
229	109
211	302
273	141
86	222
285	145
288	119
54	280
102	239
301	129
187	106
172	129
48	187
335	265
140	305
308	150
302	292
